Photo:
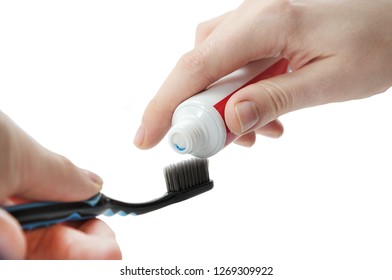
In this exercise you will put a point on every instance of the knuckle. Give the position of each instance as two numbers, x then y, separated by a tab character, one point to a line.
283	16
279	99
65	161
66	165
196	66
194	61
281	7
285	11
202	28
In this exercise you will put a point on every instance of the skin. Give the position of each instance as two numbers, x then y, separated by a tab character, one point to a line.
28	172
338	50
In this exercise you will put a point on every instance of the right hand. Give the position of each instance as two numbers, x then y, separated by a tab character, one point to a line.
338	50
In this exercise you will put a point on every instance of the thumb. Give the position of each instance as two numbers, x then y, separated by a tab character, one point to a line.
258	104
12	241
30	171
54	177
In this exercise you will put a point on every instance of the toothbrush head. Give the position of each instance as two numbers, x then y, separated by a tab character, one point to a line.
187	175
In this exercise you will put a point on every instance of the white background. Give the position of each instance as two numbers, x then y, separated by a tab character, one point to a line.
315	204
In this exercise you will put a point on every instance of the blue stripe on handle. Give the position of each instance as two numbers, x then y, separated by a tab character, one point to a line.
72	217
110	213
91	201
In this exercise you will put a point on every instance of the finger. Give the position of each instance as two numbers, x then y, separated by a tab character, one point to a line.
272	129
54	177
12	241
92	240
246	140
212	59
205	28
258	104
30	171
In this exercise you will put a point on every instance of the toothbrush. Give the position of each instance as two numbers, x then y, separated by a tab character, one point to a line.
184	180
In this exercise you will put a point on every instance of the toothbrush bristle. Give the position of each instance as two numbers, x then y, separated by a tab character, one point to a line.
186	174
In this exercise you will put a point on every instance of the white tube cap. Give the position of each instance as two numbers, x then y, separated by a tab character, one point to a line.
187	136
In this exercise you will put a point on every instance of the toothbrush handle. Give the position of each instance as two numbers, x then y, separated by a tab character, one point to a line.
42	214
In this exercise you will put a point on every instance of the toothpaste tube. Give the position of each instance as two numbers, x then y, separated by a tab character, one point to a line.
198	123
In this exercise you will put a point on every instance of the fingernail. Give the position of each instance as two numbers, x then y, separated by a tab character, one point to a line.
94	178
139	137
247	115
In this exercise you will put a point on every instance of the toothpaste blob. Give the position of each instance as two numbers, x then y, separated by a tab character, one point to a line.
198	123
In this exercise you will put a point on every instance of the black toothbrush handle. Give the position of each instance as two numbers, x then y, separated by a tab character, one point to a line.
41	214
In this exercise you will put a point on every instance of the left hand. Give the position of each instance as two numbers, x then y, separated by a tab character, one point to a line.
28	171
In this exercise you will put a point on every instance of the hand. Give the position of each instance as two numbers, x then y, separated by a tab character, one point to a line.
338	50
30	172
